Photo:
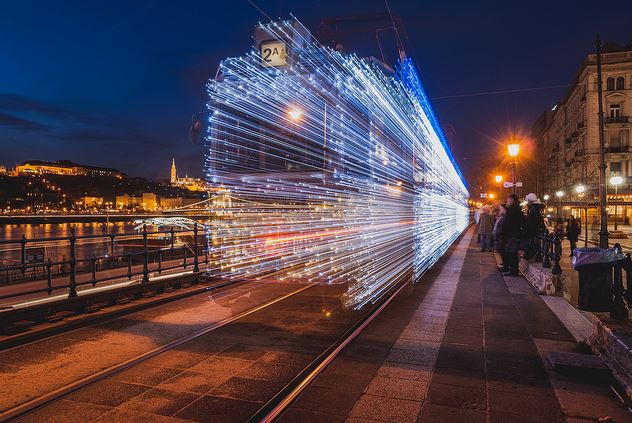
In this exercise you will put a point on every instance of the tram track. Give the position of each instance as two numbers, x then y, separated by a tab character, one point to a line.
280	396
59	393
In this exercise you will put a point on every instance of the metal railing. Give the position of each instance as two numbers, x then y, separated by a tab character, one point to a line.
550	249
621	294
189	251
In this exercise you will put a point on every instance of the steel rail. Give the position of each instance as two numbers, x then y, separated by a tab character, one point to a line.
41	401
275	406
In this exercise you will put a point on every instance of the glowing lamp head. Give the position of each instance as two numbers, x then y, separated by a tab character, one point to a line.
559	194
513	150
498	178
616	180
491	195
295	114
546	197
580	189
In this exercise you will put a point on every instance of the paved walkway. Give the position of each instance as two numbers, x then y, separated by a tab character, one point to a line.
465	345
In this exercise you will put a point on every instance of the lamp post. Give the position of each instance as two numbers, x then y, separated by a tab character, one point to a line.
498	179
581	191
513	150
616	181
603	232
559	195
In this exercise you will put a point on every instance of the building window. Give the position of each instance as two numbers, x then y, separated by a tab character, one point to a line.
610	84
615	168
615	139
620	83
615	110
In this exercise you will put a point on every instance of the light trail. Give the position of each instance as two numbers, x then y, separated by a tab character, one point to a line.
331	169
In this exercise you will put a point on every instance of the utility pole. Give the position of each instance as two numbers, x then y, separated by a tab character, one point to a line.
603	232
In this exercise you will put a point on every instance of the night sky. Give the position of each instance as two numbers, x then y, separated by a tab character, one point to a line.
115	83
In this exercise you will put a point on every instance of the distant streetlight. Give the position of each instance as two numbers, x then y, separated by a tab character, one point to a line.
513	150
616	181
580	189
498	178
546	197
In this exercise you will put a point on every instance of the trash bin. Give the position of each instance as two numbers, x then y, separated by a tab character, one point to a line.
594	268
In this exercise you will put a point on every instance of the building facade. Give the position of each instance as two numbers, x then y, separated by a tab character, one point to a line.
567	137
64	167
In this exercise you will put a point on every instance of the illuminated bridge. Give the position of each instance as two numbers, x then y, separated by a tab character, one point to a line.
336	168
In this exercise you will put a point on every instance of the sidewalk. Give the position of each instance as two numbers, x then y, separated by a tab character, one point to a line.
466	345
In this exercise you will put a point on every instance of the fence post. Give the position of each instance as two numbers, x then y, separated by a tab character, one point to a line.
628	279
73	264
557	253
196	264
546	259
618	311
93	262
23	253
145	256
49	276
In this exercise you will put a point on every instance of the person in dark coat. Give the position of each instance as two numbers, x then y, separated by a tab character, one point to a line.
573	230
534	225
512	230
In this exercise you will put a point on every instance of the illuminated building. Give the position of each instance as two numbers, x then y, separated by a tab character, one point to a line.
146	201
64	167
330	168
567	137
89	201
192	184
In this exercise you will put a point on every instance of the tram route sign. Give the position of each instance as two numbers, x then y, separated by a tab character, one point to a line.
34	255
273	53
511	184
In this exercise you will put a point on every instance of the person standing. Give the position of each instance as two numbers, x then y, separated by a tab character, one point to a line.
534	225
498	236
486	229
573	230
512	230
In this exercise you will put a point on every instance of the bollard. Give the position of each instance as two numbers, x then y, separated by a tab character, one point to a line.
93	263
129	266
196	267
23	255
628	280
73	264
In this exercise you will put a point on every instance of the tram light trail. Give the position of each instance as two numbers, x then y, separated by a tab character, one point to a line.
331	169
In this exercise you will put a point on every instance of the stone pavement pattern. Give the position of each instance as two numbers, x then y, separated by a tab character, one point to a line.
464	345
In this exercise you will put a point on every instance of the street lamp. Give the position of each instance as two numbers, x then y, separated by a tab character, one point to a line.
616	181
581	191
513	150
498	179
559	195
546	197
295	114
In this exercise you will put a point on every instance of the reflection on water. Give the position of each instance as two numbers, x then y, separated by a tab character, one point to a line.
59	250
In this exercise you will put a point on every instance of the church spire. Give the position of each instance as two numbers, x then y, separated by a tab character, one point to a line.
174	174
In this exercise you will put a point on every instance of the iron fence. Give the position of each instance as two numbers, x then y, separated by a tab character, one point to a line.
143	253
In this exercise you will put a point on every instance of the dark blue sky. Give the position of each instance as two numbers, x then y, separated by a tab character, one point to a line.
115	83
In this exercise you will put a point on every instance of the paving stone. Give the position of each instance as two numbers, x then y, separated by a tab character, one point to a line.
384	409
109	392
414	390
344	381
144	374
439	413
544	407
253	390
219	410
122	416
422	357
405	371
456	396
159	401
194	382
297	414
178	359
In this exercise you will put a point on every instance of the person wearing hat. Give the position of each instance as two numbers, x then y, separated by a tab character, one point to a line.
512	230
534	225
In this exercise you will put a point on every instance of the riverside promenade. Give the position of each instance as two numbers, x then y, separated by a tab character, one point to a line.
464	345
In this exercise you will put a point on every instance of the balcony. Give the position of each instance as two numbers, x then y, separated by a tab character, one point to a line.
580	125
619	149
579	153
568	141
617	119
